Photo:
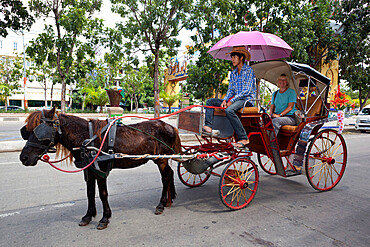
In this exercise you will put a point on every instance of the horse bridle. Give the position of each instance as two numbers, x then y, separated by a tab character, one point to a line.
44	132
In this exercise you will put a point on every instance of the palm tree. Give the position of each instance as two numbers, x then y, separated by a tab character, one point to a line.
170	99
96	96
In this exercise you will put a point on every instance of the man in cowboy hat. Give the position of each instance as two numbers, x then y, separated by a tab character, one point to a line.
242	88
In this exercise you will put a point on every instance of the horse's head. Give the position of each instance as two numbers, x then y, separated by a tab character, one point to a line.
41	132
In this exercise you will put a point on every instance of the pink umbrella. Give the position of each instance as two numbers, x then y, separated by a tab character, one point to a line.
262	46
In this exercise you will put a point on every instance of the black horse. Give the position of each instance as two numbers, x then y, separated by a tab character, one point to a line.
46	129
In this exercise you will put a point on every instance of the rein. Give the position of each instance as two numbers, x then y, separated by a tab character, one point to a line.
46	158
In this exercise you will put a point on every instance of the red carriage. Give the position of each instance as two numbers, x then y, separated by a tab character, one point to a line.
320	153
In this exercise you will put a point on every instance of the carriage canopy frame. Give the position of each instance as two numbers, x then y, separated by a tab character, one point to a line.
300	76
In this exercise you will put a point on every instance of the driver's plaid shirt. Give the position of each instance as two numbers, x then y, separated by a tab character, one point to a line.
242	86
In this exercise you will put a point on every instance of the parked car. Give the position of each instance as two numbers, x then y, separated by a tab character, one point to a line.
12	108
363	119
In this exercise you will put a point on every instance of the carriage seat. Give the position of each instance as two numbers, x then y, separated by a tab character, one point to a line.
247	110
288	130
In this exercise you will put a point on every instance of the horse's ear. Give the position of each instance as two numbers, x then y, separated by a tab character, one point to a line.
52	111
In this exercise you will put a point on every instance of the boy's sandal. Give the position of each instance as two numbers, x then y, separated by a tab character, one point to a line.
242	146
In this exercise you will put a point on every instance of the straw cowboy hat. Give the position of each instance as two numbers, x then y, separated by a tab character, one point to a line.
241	50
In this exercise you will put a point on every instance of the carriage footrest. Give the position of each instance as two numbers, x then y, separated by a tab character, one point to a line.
292	173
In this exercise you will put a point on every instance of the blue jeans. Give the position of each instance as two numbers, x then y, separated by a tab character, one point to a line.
280	121
230	114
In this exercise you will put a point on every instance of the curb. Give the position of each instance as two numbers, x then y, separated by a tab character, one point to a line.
12	146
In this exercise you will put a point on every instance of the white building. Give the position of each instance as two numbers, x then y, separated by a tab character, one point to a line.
32	91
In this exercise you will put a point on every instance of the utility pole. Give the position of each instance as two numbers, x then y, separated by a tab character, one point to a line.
24	75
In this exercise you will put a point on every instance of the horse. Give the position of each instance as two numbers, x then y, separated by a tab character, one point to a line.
66	134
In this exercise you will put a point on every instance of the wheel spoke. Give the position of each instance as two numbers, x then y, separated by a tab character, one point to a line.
333	168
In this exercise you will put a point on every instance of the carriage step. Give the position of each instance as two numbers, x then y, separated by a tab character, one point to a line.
284	152
292	173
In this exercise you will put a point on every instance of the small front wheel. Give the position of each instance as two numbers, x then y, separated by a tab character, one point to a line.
238	183
189	179
326	160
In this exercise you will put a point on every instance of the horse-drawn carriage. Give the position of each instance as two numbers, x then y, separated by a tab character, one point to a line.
303	149
323	152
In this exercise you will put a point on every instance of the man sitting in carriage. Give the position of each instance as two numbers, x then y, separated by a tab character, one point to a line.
242	88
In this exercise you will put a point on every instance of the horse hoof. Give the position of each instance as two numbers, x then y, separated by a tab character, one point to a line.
102	226
83	223
158	211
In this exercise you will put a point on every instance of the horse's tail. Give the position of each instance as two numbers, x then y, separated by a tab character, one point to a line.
177	145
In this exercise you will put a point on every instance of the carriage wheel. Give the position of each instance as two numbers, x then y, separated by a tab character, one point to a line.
326	160
238	183
268	165
190	179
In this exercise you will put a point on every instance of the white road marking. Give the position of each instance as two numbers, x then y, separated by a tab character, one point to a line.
69	204
9	214
7	163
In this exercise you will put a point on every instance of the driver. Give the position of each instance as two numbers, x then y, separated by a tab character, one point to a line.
242	87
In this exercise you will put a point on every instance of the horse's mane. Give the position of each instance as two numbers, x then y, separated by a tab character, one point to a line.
33	120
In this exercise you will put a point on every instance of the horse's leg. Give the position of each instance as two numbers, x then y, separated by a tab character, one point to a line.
91	207
103	193
168	192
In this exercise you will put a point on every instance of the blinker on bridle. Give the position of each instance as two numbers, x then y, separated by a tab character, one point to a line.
43	132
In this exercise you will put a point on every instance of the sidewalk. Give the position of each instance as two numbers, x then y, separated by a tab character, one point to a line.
16	146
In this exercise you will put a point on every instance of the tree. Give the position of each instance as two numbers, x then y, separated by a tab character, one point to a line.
78	97
151	26
170	99
93	86
42	74
61	44
95	95
14	17
354	47
304	25
133	85
10	74
212	21
206	76
147	92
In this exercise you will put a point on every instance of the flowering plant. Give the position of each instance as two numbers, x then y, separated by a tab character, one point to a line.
341	101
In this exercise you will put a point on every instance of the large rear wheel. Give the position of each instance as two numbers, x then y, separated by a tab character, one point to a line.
189	179
238	183
326	160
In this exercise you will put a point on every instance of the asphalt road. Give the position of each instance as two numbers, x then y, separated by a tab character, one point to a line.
40	206
9	130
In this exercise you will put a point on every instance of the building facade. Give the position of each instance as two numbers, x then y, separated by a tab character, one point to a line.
32	93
